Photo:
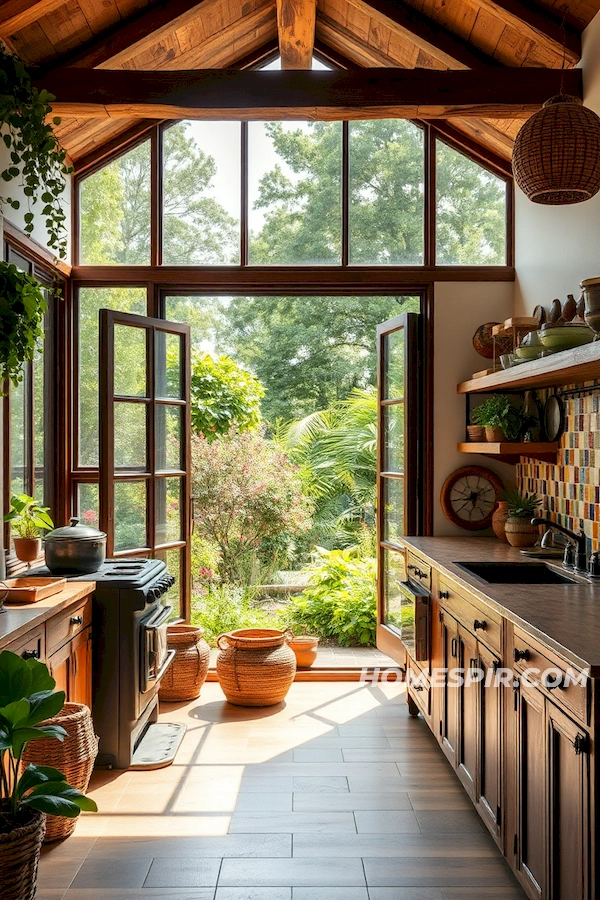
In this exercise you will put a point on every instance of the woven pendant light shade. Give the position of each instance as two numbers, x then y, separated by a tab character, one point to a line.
556	157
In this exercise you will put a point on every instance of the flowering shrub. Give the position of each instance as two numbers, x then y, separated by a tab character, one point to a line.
224	396
341	601
249	503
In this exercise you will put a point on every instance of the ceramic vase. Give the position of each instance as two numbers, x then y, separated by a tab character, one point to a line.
499	520
476	433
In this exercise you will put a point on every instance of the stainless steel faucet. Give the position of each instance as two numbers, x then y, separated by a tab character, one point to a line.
578	538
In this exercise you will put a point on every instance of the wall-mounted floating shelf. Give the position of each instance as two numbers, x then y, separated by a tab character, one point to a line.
510	452
567	367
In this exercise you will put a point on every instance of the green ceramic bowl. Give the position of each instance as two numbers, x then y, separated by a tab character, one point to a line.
528	352
565	337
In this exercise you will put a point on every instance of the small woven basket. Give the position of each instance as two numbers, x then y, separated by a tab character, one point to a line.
74	757
19	858
187	673
255	667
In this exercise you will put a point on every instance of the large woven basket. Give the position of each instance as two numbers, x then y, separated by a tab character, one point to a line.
255	667
19	858
74	757
187	673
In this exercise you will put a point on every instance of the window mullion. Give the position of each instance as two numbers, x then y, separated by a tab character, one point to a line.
429	145
244	236
345	193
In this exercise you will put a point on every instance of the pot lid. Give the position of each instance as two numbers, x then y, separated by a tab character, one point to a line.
75	531
589	281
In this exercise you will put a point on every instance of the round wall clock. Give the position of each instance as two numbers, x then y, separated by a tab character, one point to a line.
469	497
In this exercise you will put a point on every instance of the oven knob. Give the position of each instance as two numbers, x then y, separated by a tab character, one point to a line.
155	593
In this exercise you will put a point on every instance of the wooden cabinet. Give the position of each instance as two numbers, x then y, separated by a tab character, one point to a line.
530	839
489	725
468	662
448	711
71	667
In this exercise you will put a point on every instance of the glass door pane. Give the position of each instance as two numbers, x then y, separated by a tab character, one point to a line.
144	441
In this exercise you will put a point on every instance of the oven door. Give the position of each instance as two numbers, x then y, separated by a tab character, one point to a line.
155	657
406	612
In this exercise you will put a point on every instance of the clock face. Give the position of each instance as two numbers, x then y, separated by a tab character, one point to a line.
469	497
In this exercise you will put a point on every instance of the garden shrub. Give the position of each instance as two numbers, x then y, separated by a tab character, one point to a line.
226	607
340	602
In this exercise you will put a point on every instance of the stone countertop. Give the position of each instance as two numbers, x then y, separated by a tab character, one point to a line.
16	619
564	617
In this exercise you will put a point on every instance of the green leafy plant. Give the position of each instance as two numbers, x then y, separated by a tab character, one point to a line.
35	154
28	698
22	307
225	607
224	397
521	505
340	602
498	412
27	518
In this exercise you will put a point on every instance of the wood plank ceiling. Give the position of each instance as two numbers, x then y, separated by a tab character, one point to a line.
187	34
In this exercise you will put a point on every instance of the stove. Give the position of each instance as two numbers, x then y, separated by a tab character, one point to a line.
130	653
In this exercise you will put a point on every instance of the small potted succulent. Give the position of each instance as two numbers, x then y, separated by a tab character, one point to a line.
520	510
28	519
27	700
501	420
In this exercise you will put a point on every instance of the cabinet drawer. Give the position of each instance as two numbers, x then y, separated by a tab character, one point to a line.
31	646
67	624
483	622
419	571
538	663
419	689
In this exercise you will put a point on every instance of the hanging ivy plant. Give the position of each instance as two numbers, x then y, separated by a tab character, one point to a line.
22	307
35	154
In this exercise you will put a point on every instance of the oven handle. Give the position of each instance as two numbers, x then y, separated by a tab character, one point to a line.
168	660
161	616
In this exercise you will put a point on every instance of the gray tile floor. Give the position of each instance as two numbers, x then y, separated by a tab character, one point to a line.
335	795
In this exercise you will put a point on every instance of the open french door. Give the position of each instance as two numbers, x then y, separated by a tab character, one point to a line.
398	469
145	456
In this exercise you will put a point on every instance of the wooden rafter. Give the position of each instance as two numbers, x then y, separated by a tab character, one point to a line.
18	14
425	33
296	30
537	22
371	94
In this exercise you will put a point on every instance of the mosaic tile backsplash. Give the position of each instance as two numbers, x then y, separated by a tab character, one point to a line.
570	489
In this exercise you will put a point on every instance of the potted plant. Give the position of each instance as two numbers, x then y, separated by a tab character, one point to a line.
22	307
520	510
27	518
27	699
500	419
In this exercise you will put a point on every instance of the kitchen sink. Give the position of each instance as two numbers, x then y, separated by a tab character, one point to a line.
515	573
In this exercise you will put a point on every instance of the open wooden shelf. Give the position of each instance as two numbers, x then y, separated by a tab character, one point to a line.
510	452
567	367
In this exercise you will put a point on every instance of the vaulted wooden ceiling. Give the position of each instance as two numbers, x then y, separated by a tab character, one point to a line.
187	34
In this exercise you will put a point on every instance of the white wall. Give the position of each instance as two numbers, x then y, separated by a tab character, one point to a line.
14	190
557	247
459	309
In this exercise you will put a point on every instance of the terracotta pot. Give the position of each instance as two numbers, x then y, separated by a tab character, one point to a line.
520	532
27	549
20	855
494	435
476	433
305	647
499	520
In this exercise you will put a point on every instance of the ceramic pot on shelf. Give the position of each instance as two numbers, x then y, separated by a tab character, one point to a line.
476	433
499	520
494	435
520	532
27	549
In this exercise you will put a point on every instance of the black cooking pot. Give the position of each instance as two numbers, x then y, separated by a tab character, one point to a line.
75	549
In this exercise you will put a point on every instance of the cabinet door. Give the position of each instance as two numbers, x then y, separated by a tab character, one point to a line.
490	730
59	664
569	785
467	710
449	711
531	780
80	687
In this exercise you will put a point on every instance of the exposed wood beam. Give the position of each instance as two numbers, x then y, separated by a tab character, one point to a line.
141	30
538	23
371	94
425	33
18	14
296	30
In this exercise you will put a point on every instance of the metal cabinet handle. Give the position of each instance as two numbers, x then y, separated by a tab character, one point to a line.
480	625
454	647
444	595
521	655
417	687
30	654
580	744
551	684
495	666
76	620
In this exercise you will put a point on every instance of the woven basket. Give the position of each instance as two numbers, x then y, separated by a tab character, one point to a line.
255	667
19	858
74	757
187	673
556	153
